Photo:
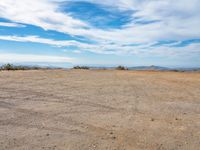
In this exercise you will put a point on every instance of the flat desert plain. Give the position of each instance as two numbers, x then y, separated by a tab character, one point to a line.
99	110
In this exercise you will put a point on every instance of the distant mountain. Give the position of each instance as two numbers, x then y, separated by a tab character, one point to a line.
186	69
148	68
158	68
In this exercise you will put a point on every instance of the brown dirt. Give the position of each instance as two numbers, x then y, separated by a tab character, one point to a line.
99	110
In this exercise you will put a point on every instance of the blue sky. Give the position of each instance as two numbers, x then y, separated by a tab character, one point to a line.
100	33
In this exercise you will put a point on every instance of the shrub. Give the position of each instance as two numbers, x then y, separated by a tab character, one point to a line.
121	68
12	67
81	67
7	67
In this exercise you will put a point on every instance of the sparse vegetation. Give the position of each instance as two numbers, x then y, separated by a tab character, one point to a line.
121	68
7	67
176	70
13	67
81	67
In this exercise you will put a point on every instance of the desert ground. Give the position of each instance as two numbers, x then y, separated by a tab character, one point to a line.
99	110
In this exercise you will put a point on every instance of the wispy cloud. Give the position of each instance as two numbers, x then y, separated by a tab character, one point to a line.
42	13
36	39
57	43
8	24
150	21
145	49
172	16
27	58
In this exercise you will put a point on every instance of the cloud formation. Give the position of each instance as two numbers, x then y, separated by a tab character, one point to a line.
7	24
28	58
167	50
150	22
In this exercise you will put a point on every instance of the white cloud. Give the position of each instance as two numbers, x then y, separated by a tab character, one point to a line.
8	24
27	58
36	39
42	13
178	20
145	49
77	51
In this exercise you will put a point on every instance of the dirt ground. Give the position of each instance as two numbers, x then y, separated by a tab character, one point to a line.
99	110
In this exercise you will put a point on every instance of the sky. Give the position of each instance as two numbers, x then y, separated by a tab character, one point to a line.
100	32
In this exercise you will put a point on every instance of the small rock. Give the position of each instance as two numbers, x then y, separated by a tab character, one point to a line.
114	137
152	119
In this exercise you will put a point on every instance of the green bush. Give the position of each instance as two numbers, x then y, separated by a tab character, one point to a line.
12	67
81	67
7	67
121	68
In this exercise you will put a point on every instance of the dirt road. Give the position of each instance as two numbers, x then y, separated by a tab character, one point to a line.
99	110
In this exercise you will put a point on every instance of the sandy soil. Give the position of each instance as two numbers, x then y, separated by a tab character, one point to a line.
99	110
